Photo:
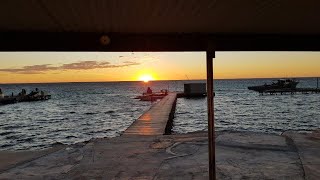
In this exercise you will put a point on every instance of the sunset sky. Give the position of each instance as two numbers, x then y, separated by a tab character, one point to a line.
28	67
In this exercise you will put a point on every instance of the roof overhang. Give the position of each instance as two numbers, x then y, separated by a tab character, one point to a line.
23	41
159	25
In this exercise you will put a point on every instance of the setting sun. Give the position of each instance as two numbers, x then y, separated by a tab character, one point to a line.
146	78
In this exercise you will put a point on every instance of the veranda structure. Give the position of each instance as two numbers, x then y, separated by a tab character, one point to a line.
162	25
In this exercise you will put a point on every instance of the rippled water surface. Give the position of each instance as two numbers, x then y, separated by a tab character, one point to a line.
77	112
81	111
238	109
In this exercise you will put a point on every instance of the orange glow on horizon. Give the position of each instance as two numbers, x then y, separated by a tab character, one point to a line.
55	67
146	78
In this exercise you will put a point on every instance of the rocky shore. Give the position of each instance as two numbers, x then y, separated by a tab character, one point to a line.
239	155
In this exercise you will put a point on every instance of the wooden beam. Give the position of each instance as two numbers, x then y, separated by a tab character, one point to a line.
63	41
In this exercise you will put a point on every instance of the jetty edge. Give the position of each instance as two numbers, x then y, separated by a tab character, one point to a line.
157	120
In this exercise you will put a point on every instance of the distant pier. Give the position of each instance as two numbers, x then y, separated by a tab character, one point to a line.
291	91
157	120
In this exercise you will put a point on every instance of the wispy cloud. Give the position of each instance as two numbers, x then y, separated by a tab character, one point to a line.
82	65
85	65
35	69
130	63
146	58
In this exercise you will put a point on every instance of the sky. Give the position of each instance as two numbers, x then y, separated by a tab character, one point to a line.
44	67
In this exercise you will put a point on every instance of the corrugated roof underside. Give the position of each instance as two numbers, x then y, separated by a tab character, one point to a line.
161	16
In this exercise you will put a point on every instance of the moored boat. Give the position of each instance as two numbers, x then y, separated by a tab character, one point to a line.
152	96
278	85
24	97
8	100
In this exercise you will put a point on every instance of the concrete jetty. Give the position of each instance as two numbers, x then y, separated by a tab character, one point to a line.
239	155
157	120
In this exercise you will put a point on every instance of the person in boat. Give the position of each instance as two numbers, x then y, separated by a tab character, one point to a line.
1	94
37	92
23	92
149	90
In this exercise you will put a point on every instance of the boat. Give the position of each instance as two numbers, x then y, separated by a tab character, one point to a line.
33	96
280	84
8	100
152	96
24	97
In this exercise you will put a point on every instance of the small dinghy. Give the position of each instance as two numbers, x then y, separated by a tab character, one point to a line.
152	96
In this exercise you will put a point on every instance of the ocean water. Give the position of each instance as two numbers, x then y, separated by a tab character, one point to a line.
238	109
79	112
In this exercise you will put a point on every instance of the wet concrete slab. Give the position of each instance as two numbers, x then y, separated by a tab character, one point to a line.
308	148
11	159
239	155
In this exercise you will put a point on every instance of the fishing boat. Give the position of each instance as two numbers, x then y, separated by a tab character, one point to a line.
280	84
7	100
24	97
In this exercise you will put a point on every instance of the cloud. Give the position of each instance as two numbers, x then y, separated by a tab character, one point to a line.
82	65
142	58
85	65
35	69
131	63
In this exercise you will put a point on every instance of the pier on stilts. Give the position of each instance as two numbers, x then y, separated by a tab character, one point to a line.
157	120
291	91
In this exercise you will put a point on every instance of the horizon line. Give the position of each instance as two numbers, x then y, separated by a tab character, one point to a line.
162	80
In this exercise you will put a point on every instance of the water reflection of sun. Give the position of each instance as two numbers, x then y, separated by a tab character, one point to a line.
146	78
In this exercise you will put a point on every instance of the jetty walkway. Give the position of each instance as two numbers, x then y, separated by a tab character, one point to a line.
157	120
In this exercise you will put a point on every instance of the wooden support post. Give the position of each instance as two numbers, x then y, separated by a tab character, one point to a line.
211	131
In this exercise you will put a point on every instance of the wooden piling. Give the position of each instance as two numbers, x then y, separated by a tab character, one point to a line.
211	130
